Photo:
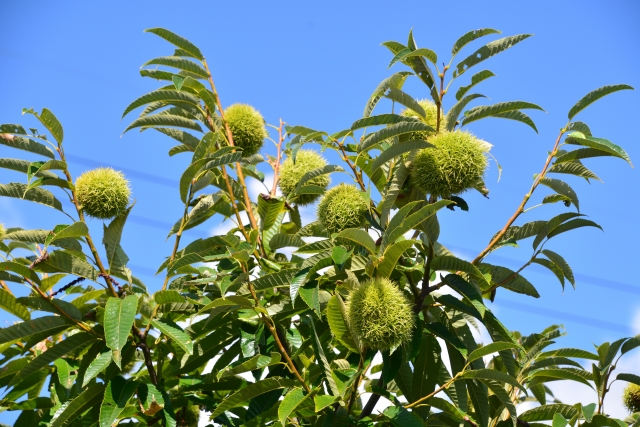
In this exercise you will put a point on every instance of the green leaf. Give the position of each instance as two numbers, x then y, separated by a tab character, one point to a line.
552	224
119	315
504	397
38	167
394	130
26	144
593	96
19	165
178	41
487	51
337	317
86	400
50	121
569	352
480	112
116	396
403	98
411	222
77	229
63	262
471	36
630	344
401	417
571	374
358	236
573	168
518	116
96	366
292	400
510	280
562	188
559	421
404	54
454	112
489	349
42	325
395	81
180	135
382	119
162	95
630	378
163	120
281	240
562	264
317	172
451	263
570	225
251	391
269	209
391	256
38	195
274	280
165	297
20	269
116	257
179	63
50	305
70	344
547	412
397	150
581	153
256	362
10	304
475	79
601	144
553	267
175	333
490	374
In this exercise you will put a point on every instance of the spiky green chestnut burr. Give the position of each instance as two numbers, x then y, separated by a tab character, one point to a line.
430	119
103	193
247	128
379	314
342	207
290	175
456	163
631	398
190	416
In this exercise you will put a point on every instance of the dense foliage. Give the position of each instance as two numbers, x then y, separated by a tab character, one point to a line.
317	334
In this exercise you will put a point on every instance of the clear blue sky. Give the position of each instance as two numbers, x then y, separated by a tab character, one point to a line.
316	65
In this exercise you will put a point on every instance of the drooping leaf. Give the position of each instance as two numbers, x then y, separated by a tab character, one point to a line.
391	256
475	79
179	63
412	221
10	304
488	349
487	51
38	195
63	262
601	144
119	315
77	229
381	119
175	333
560	262
593	96
571	225
42	325
156	120
491	374
292	400
573	168
552	224
546	412
396	81
316	173
451	263
177	40
480	112
162	95
562	188
518	116
403	98
50	121
26	145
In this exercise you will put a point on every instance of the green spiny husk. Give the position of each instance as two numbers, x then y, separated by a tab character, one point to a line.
380	314
290	175
342	207
103	193
456	163
247	128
